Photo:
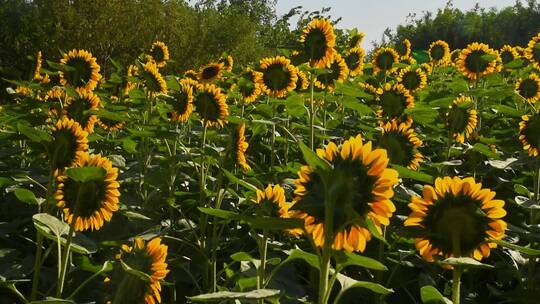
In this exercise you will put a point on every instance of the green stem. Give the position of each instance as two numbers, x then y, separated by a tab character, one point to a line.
532	260
327	247
37	266
458	269
323	277
72	295
456	284
311	114
65	258
263	248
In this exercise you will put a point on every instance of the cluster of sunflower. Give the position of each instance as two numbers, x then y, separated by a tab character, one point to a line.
344	196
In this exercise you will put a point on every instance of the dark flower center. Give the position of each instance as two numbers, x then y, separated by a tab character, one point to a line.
385	60
411	80
207	106
476	62
531	131
528	88
315	44
210	72
84	198
400	150
393	103
459	217
437	52
458	119
81	73
65	146
276	77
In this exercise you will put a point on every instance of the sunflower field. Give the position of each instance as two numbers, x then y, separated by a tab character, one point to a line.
319	175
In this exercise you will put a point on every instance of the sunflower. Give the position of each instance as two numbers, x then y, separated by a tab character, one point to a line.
132	71
210	104
401	143
91	203
439	52
427	68
461	118
37	71
384	59
404	48
508	53
278	76
361	187
302	84
520	51
159	53
240	147
69	143
153	80
75	108
355	61
528	133
210	72
394	100
110	125
407	60
532	52
412	79
477	60
272	201
149	258
338	72
317	42
55	94
454	55
356	39
23	90
529	88
227	62
83	72
456	218
191	74
182	102
249	85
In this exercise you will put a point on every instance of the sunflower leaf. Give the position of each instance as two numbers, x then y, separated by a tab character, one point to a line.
524	250
86	174
276	223
224	214
465	261
257	294
483	149
348	283
344	259
26	196
141	275
313	159
414	175
232	178
34	134
430	295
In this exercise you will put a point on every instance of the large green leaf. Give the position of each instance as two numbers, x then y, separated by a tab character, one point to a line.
26	196
414	175
344	259
430	295
86	174
258	294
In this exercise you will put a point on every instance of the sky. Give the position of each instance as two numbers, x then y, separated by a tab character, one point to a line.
374	16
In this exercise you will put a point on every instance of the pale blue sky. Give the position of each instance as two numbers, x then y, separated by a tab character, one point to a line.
373	17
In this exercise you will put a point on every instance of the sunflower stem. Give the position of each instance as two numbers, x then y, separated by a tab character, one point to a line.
456	284
263	248
203	217
65	257
458	269
532	260
39	236
311	114
327	246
